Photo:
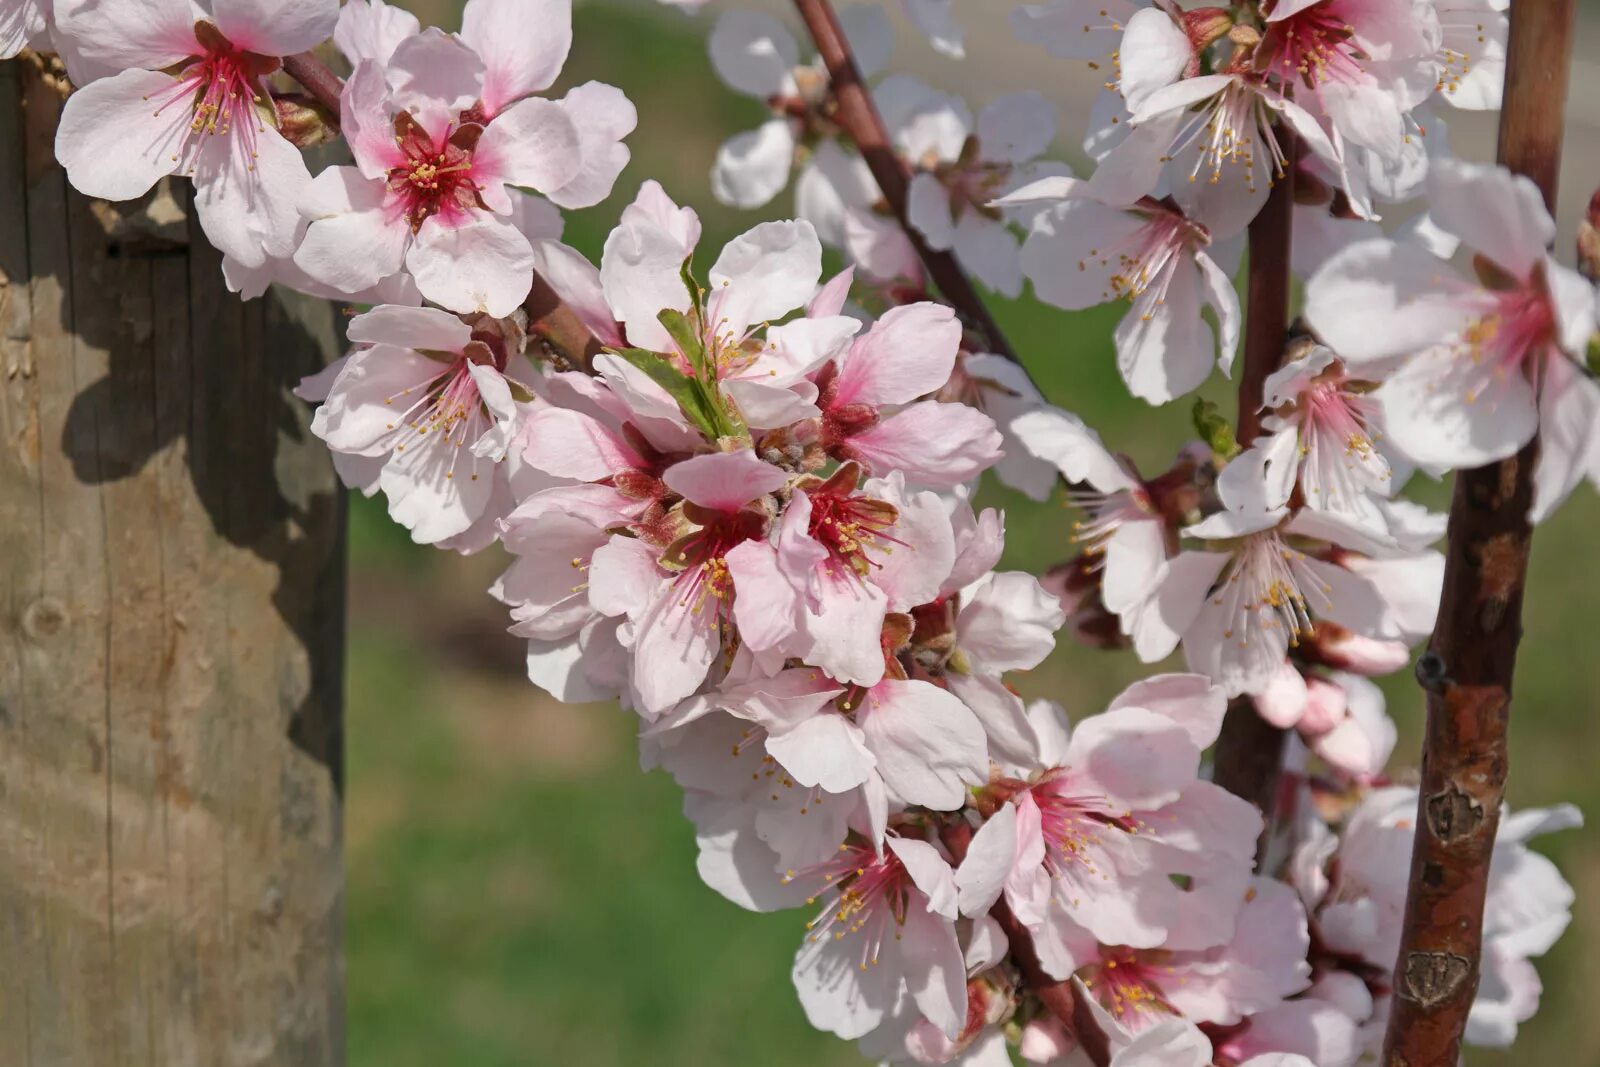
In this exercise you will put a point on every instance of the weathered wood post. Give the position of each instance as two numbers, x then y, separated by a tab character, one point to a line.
171	639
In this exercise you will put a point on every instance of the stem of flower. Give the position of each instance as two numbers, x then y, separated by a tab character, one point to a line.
561	331
1467	670
859	117
1061	998
1249	753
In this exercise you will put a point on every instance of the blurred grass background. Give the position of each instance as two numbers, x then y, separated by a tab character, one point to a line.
520	894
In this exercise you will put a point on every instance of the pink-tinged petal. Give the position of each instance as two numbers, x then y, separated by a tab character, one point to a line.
365	121
724	481
248	200
1362	742
1061	438
276	27
1262	478
534	143
930	872
754	54
929	745
435	490
1138	759
603	116
149	35
935	974
1165	349
20	22
1009	623
767	407
1573	298
843	627
313	388
1135	559
494	392
1217	291
907	354
435	76
640	267
483	265
1443	409
351	244
1190	700
934	444
420	328
1016	128
988	863
570	444
675	643
1177	600
372	29
1379	299
558	667
825	752
1005	721
734	860
1282	701
1569	435
1071	254
1495	212
980	541
836	994
624	579
577	282
1173	1043
1216	645
763	274
830	299
928	211
913	571
517	62
988	250
1028	884
116	139
367	400
1154	53
765	606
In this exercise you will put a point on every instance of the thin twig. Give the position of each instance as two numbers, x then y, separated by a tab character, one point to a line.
1059	997
1249	754
858	116
560	330
1468	668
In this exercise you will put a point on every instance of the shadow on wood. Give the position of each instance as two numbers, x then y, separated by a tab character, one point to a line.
171	639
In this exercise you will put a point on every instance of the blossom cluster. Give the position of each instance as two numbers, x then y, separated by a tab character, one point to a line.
751	517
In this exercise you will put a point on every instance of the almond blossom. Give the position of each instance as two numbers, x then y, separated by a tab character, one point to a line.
188	96
1481	365
1081	253
756	55
425	408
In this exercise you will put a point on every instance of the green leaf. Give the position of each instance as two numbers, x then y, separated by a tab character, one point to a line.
1215	429
683	330
1594	354
696	405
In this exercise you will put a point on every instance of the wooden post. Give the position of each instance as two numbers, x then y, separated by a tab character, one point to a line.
171	639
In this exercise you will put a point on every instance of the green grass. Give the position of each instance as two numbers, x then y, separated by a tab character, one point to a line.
520	894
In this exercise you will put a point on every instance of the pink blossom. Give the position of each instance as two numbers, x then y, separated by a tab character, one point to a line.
429	397
21	23
189	97
1481	367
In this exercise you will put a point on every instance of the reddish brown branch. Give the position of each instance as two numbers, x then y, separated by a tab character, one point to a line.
1249	755
859	117
564	335
1468	668
1059	998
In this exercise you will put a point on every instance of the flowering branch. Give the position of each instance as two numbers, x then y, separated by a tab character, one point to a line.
859	118
1468	668
566	340
1249	756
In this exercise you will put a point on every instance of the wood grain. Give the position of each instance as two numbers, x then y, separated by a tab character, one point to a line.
171	639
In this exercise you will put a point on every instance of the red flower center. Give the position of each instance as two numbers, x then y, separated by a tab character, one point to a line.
436	177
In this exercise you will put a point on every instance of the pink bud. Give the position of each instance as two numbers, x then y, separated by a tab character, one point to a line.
1334	646
1325	707
1044	1040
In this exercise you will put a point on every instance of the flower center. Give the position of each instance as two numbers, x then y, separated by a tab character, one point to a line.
220	87
447	413
866	895
1313	48
847	526
436	176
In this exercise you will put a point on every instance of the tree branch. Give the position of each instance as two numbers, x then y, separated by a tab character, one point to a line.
1060	998
560	330
1249	754
859	117
1468	668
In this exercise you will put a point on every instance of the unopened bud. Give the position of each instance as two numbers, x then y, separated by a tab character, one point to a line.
1589	241
1325	707
1334	646
1045	1040
1205	26
1244	36
1215	429
303	122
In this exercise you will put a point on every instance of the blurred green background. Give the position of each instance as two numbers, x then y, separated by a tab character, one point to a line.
520	894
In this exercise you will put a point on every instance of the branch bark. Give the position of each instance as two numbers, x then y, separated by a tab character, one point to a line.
1249	754
859	117
562	332
1468	668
